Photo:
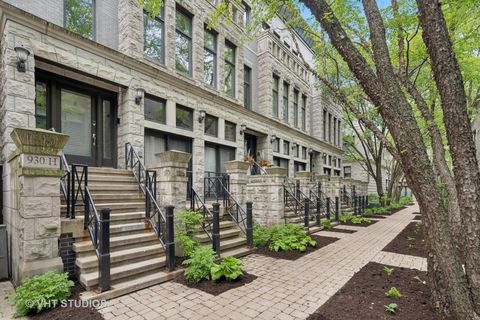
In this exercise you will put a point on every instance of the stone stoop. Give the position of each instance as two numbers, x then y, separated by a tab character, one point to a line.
137	257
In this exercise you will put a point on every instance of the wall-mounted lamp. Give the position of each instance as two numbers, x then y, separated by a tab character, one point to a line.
310	151
294	146
201	115
139	95
273	138
22	56
243	127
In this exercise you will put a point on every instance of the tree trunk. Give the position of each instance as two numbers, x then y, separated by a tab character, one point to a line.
446	273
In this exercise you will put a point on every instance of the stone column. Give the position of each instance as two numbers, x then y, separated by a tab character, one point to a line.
34	227
237	172
335	184
130	33
305	178
171	167
266	193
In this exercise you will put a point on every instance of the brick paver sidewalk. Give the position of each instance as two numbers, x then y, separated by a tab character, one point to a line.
283	290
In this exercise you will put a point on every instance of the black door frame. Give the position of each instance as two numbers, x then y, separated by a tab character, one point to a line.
54	85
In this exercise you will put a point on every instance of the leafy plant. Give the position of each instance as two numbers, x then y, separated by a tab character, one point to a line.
190	221
388	270
345	217
326	224
199	265
419	280
261	235
411	246
359	220
289	237
418	225
188	244
368	212
393	293
410	238
391	308
230	268
41	292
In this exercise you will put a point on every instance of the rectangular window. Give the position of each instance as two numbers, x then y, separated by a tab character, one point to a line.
285	101
247	87
275	84
155	109
229	69
286	147
304	112
211	126
41	105
184	117
276	145
183	42
230	131
247	13
297	150
324	125
304	152
279	162
153	36
295	107
347	172
339	132
80	17
329	128
210	58
334	131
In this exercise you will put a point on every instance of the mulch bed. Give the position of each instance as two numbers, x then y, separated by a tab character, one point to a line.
73	311
349	223
363	296
417	217
216	287
294	255
340	230
376	216
401	242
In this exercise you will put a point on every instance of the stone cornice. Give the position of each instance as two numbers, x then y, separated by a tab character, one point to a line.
9	12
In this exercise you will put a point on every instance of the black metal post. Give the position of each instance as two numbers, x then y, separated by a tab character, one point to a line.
216	228
104	251
169	239
366	199
355	205
126	155
306	216
249	230
337	208
317	214
328	208
297	189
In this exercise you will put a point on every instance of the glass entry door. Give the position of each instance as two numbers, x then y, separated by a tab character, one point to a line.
86	114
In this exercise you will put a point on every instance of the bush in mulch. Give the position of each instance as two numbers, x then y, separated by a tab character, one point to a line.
72	309
410	241
364	296
216	287
361	224
295	254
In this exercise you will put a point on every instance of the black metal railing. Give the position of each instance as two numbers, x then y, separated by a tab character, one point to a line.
198	205
347	197
189	184
256	169
65	186
146	180
291	198
213	185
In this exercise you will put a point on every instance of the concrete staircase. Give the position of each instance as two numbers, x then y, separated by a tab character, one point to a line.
137	256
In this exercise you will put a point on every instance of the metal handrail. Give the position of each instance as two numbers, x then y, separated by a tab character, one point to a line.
146	180
197	205
292	202
93	220
317	194
254	166
232	207
213	185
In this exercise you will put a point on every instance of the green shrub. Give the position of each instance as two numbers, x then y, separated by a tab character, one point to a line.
391	308
326	224
289	237
230	268
388	270
199	265
261	235
190	221
345	217
368	212
393	293
41	292
187	243
381	210
373	198
406	201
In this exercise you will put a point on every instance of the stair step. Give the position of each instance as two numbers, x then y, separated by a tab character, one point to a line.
90	279
228	244
237	252
113	187
229	233
115	197
129	286
125	216
107	171
111	178
116	241
121	255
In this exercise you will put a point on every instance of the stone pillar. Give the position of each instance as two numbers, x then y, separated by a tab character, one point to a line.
237	172
305	178
130	33
335	184
266	193
34	225
171	167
